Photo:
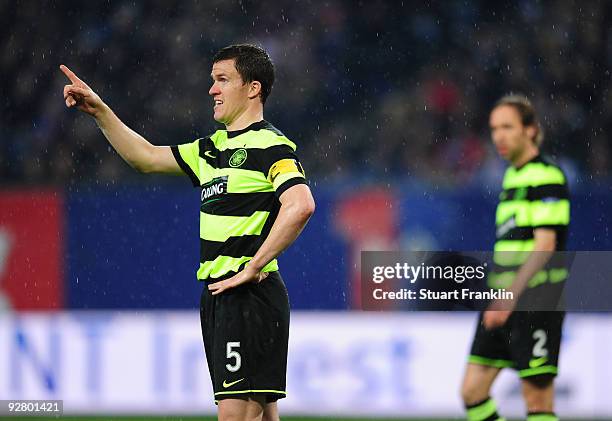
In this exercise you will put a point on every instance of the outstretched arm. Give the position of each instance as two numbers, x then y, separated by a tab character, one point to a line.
132	147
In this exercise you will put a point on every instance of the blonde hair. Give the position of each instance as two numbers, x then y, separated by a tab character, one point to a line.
527	112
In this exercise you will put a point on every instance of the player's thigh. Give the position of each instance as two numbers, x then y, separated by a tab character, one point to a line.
248	408
206	323
535	343
477	382
251	332
488	354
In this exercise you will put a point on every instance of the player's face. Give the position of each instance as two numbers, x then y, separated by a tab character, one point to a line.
509	135
229	92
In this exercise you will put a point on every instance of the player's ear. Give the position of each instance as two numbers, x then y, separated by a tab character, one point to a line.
254	89
531	132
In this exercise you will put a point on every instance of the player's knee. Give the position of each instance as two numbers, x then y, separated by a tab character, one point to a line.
270	417
239	416
538	393
271	412
238	410
230	416
472	392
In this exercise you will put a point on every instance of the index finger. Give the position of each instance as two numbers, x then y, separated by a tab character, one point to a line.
70	74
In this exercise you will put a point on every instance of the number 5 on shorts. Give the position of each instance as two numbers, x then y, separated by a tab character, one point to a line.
233	354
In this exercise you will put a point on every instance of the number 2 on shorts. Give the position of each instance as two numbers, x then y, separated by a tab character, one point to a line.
538	349
231	353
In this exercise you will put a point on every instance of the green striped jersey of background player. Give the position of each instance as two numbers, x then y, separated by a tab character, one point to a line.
535	196
241	174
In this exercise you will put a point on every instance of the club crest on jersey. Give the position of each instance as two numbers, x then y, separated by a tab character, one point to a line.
238	158
213	189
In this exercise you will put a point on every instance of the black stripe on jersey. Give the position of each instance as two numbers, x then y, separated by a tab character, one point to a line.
238	204
269	156
271	219
518	233
557	191
186	168
209	152
526	233
257	159
558	228
245	245
288	184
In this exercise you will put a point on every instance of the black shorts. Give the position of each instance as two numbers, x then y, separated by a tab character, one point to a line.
528	342
246	334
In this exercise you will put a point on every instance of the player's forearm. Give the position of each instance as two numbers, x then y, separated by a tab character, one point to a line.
131	146
536	261
545	244
290	222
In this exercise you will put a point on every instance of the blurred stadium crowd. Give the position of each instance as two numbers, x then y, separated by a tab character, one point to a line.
367	89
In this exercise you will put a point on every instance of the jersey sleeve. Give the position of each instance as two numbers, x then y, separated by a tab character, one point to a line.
550	206
282	168
187	156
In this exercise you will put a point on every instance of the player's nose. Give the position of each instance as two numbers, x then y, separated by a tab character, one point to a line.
214	89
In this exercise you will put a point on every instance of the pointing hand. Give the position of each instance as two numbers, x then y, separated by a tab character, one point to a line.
78	94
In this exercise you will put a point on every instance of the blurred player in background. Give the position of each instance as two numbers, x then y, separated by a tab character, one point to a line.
531	218
254	204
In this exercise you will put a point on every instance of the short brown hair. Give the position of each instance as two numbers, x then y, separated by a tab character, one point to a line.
252	63
525	108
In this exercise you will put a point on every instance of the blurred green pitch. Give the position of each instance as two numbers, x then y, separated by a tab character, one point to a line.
188	418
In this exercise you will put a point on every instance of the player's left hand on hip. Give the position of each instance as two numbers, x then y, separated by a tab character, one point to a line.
495	318
244	276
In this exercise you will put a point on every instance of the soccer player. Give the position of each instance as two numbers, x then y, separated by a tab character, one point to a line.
532	218
254	204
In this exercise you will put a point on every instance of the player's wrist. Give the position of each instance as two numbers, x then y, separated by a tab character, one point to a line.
254	267
101	112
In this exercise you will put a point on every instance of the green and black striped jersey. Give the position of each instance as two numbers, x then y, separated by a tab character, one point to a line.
534	196
241	175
